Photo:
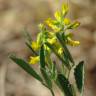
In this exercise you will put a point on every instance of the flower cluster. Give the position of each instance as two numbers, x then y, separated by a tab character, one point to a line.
54	37
61	25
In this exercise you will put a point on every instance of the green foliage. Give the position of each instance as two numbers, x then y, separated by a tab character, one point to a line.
42	57
66	86
46	78
79	76
62	42
54	39
24	65
55	52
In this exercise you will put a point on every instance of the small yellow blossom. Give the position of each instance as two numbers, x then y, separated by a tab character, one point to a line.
64	9
52	23
34	60
57	15
52	41
60	51
35	46
46	48
66	21
39	39
72	42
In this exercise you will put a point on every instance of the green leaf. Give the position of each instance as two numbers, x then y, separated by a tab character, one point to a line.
29	46
60	58
61	40
66	86
24	65
66	58
27	35
42	57
79	76
54	71
46	78
39	38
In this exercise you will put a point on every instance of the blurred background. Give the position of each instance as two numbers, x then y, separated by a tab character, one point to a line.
15	15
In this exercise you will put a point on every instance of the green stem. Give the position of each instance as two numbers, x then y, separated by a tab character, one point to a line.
52	92
69	73
73	90
49	89
63	71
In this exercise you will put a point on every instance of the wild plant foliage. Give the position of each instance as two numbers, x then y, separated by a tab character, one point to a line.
54	37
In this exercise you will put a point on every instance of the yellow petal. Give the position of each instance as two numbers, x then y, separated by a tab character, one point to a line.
64	9
34	60
51	23
47	48
52	41
39	38
35	46
66	21
73	43
57	15
60	51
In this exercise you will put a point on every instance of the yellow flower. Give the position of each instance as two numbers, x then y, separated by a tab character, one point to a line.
50	34
34	60
52	23
46	48
72	42
52	40
58	15
39	39
64	9
60	51
35	46
66	21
